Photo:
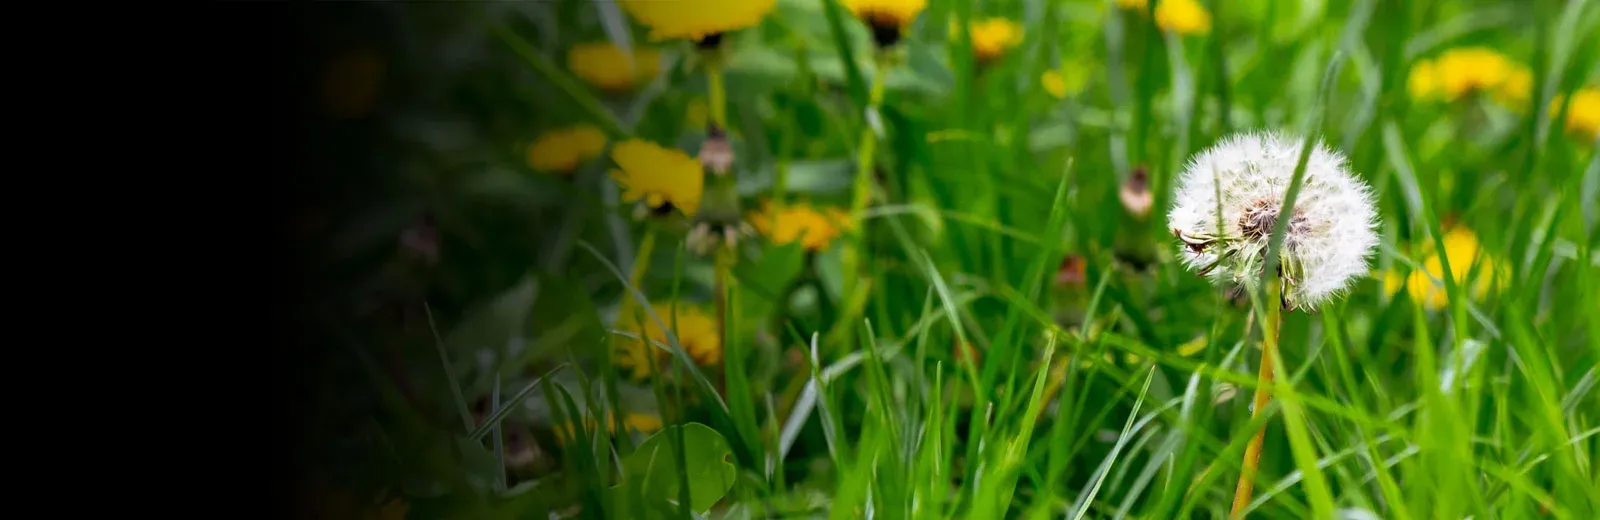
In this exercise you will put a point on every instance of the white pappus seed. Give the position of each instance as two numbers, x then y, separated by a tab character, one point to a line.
1245	176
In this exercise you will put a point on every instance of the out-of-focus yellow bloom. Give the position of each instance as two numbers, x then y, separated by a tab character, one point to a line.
696	331
1066	81
561	151
1054	84
350	83
886	18
665	178
1464	251
696	19
1193	346
1186	17
638	422
815	229
607	67
1455	73
1583	115
1516	89
992	37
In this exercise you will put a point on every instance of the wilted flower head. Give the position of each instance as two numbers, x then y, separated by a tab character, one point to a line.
1135	193
1245	178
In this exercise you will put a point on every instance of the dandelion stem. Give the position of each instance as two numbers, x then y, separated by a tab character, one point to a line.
719	94
641	264
861	195
723	284
1269	349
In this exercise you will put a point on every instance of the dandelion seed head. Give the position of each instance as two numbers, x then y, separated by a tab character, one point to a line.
1330	236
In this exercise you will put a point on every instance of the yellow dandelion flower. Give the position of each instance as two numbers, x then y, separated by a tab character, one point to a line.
1423	81
665	178
561	151
1458	72
1515	90
642	423
992	37
1054	84
1186	17
608	68
696	331
816	230
1583	115
696	19
1465	252
887	18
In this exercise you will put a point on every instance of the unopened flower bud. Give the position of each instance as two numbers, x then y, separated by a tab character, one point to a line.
716	155
1135	193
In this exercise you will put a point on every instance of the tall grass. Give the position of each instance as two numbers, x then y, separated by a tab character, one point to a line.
1383	407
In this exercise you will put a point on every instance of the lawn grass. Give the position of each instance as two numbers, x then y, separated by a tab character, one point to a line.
928	364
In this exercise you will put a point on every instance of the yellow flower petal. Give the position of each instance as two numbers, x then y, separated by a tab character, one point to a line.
659	175
886	13
607	67
992	37
560	151
1583	115
696	19
815	230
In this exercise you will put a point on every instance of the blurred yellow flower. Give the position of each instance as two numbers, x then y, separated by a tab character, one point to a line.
1465	252
886	18
1186	17
1054	84
561	151
1070	79
1583	115
665	178
696	331
815	229
1193	346
992	37
696	19
607	67
1455	73
642	423
1514	92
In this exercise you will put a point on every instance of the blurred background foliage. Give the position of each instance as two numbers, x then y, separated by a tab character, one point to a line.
466	303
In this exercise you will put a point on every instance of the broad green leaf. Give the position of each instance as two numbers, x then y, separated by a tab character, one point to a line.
710	469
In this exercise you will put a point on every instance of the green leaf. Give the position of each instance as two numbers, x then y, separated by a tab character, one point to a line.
710	469
763	282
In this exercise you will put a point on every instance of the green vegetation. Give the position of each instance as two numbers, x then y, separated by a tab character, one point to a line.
954	291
